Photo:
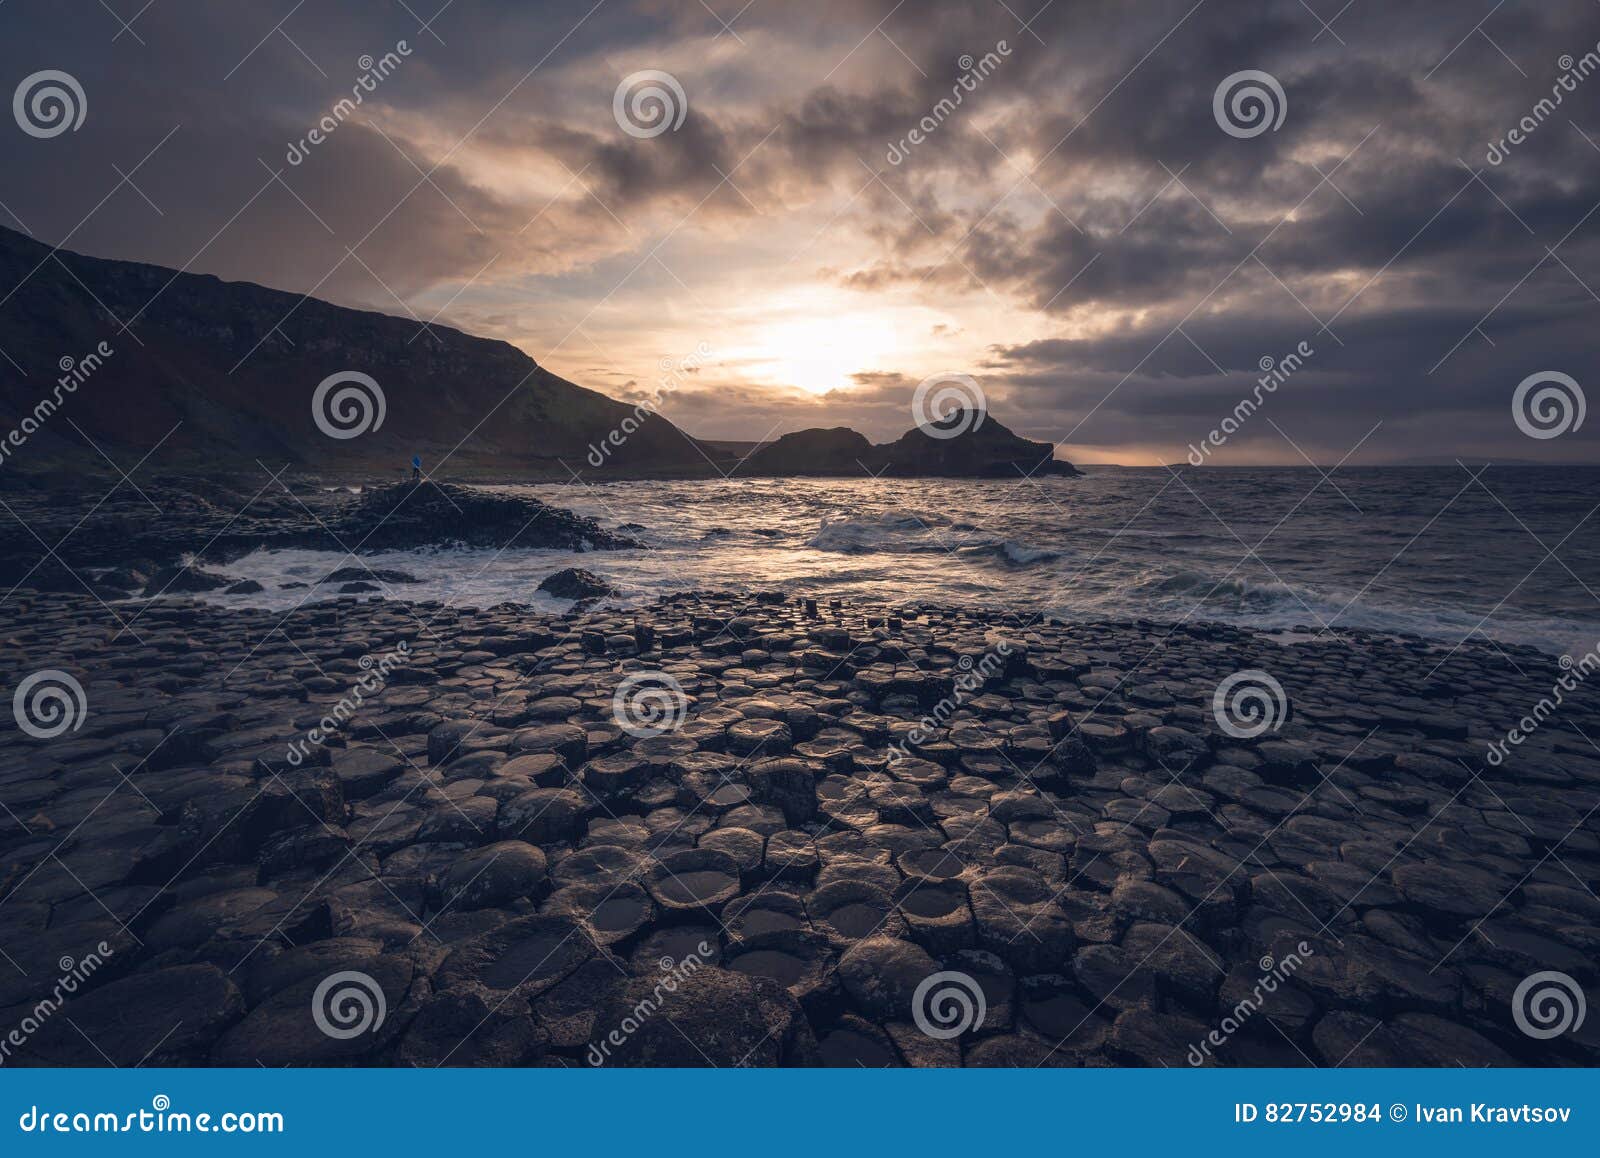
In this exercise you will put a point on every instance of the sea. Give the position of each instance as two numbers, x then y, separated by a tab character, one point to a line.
1453	554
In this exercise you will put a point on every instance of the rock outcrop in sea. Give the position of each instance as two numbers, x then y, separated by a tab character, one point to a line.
177	537
964	444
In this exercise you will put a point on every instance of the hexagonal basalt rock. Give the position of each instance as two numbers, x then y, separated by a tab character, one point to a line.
881	974
689	884
853	910
493	875
937	915
1446	894
472	1026
1077	836
525	956
762	912
759	737
568	741
798	959
709	1017
599	864
544	815
787	784
1175	749
1018	921
615	911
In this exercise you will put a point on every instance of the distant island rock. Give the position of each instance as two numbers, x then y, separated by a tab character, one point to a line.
964	444
226	373
835	450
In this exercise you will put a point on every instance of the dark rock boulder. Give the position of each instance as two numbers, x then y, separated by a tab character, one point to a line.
526	956
576	583
372	574
787	784
493	875
405	515
881	974
186	581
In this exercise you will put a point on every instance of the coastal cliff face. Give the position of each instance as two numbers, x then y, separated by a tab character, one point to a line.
238	365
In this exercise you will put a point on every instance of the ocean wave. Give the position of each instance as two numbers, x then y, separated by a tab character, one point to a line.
1007	551
1022	554
896	534
861	534
1188	581
1195	595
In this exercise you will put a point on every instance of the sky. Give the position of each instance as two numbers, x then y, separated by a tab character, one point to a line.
797	222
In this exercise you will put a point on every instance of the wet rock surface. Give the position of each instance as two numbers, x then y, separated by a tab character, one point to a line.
174	535
479	863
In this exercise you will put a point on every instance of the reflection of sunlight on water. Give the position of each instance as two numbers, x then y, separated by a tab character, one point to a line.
1112	545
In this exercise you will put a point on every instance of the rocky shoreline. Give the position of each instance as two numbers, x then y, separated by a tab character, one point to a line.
170	538
742	829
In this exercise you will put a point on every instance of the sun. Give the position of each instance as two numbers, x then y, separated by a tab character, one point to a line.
821	354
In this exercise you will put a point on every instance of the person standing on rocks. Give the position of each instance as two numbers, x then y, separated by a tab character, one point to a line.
416	468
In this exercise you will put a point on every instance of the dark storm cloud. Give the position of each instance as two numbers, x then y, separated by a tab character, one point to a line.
1085	185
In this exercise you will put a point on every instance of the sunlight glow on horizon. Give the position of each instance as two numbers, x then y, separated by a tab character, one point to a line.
819	355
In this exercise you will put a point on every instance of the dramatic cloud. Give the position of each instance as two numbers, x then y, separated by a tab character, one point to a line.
862	194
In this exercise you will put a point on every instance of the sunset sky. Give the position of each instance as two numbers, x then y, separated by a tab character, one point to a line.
1080	235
